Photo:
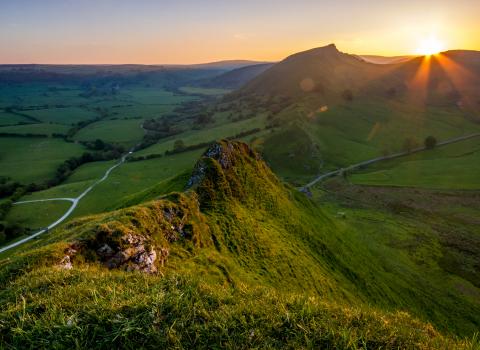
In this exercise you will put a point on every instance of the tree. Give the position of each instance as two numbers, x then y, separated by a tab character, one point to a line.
99	144
410	144
178	145
430	142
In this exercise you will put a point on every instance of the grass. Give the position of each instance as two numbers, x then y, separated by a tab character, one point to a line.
37	215
131	178
125	132
11	119
209	133
40	128
67	115
34	159
204	91
346	134
453	166
277	270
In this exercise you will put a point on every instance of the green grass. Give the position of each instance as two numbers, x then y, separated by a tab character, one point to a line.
209	133
346	134
277	269
41	128
204	91
453	166
125	132
34	159
37	215
11	119
67	116
39	94
134	177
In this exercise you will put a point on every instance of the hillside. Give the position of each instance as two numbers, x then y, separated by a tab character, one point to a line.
325	71
349	110
237	260
235	78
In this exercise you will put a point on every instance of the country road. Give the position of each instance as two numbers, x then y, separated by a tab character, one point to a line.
379	159
74	201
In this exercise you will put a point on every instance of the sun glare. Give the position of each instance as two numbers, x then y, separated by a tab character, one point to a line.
430	46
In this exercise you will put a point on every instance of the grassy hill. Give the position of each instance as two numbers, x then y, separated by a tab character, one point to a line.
328	109
239	260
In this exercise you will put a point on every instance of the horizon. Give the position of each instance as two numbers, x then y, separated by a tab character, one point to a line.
186	33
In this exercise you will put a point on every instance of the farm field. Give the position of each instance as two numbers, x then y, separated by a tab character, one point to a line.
67	115
41	128
124	132
34	159
455	166
11	119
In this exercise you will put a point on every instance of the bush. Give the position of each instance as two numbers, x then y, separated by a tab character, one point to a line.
430	142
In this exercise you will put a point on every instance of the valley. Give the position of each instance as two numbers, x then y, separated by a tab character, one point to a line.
323	201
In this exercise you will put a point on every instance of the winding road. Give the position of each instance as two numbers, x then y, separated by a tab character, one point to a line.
379	159
74	201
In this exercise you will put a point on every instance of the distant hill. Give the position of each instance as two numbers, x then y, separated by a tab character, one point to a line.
235	78
453	77
227	64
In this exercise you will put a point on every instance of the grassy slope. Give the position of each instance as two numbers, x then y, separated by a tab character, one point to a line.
37	215
258	235
349	133
451	167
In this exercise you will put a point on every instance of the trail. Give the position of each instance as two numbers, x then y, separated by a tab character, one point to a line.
74	201
383	158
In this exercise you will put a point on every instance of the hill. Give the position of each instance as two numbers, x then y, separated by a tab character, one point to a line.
349	110
327	73
277	270
236	77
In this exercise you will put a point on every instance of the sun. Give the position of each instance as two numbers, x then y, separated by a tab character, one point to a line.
430	46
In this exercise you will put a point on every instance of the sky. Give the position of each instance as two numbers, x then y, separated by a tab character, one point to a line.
196	31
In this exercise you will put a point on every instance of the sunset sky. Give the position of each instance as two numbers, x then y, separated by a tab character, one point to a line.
192	31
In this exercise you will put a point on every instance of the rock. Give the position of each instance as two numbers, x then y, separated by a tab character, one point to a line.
66	263
105	251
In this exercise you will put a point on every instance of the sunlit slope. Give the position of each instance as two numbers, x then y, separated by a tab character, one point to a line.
271	261
349	110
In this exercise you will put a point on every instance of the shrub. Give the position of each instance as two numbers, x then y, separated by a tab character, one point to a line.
430	142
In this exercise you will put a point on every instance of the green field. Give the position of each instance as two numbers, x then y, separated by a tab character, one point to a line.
121	186
455	166
134	177
40	94
125	132
34	159
42	128
207	134
346	134
11	119
37	215
67	115
204	91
